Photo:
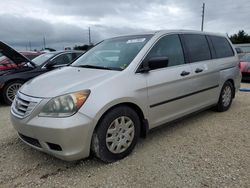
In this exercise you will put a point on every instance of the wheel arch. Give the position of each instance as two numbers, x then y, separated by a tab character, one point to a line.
232	82
144	122
13	80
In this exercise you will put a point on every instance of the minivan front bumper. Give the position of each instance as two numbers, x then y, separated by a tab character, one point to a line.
65	138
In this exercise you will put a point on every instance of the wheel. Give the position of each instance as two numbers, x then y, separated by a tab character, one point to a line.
116	135
10	90
226	97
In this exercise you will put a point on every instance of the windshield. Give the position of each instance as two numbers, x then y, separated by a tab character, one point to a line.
113	54
246	58
42	58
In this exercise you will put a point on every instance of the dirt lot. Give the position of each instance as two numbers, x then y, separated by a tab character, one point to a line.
206	150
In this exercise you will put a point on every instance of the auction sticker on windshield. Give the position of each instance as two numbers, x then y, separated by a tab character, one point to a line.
136	40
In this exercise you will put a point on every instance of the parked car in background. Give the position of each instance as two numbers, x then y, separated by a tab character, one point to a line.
6	63
11	80
238	50
242	49
123	87
245	67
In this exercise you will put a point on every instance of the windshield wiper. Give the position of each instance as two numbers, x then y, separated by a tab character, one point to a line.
99	67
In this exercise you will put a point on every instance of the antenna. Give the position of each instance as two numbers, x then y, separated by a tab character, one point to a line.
203	15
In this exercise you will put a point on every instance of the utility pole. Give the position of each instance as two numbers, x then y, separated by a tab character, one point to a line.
44	43
89	37
203	15
30	45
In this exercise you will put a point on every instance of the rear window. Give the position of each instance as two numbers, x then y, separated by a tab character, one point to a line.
222	47
197	47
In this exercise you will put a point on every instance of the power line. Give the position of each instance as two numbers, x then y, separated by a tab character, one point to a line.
203	15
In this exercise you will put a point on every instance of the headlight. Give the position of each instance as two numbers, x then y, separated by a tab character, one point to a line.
65	105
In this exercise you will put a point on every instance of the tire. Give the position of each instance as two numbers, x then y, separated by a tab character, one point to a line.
10	90
226	97
112	139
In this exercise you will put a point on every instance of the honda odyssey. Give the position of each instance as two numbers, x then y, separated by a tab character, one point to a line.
123	87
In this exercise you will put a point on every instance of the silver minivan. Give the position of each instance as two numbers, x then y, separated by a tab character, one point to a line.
123	87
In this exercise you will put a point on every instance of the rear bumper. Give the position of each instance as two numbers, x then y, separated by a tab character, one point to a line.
65	138
245	76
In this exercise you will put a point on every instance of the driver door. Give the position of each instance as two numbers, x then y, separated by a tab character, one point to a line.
168	88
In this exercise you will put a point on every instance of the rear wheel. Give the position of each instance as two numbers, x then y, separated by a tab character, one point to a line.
226	97
10	91
116	135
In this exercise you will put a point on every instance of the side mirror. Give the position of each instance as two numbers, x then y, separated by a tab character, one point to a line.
154	63
50	64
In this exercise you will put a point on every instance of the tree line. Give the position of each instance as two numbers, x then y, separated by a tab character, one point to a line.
240	37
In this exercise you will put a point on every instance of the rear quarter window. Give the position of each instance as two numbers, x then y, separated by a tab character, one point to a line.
222	47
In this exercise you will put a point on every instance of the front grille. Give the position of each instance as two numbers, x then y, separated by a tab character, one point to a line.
30	140
23	105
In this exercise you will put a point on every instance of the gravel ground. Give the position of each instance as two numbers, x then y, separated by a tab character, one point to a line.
206	150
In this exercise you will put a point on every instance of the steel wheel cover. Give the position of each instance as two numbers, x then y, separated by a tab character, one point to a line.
227	95
120	134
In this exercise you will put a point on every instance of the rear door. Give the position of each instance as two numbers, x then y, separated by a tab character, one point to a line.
168	87
205	73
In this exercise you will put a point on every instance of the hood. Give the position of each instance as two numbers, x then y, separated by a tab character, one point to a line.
12	54
65	80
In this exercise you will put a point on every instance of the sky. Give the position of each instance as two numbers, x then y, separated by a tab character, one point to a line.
65	23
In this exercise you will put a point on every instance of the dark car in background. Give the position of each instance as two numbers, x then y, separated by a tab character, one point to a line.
11	80
6	63
245	67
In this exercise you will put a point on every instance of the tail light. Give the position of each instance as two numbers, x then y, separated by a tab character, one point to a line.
240	65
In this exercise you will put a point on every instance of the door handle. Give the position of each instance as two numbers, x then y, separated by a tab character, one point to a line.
198	70
185	73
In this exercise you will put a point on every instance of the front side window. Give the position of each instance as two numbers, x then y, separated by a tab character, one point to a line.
169	46
113	54
76	55
62	59
197	47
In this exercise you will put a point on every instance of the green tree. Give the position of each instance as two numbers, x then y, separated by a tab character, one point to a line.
240	37
84	47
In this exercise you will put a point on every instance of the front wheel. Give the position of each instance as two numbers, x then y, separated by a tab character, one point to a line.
10	91
226	97
116	135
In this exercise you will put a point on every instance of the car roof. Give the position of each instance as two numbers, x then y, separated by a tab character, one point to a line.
180	31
